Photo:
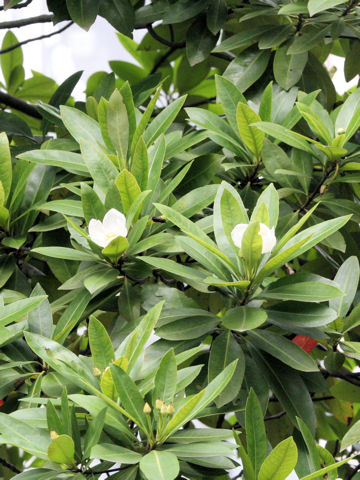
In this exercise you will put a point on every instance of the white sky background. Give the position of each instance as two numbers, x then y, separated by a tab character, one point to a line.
62	55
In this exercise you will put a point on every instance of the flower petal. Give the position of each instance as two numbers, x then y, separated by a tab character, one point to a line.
115	223
238	233
268	238
97	232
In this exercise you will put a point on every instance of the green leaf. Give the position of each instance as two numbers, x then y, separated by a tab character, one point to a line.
91	204
64	253
101	168
160	466
347	277
199	42
69	161
216	15
251	247
251	136
283	349
128	188
9	61
80	125
229	96
348	116
269	198
289	388
14	312
224	350
139	164
290	315
101	347
316	123
5	166
317	6
163	120
93	432
62	450
115	453
322	472
198	402
281	461
166	379
118	125
130	397
40	318
119	13
301	290
18	433
245	459
247	68
288	68
255	431
200	435
241	319
116	248
71	316
285	135
310	443
83	12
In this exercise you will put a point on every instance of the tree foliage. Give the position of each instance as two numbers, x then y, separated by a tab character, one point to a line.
179	253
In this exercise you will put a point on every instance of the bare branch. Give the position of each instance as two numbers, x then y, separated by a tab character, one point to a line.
24	42
23	22
10	466
19	5
19	104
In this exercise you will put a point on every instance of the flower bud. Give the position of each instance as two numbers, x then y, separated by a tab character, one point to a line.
158	404
340	131
163	409
53	434
170	409
147	408
267	235
96	372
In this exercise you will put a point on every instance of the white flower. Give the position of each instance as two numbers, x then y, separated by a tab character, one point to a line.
267	234
112	226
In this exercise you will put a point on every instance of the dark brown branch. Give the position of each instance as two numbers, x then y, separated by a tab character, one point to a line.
223	56
19	104
42	37
19	5
162	59
352	4
10	466
353	473
23	22
163	40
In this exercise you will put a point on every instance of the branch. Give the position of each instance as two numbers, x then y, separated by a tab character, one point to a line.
162	59
19	5
163	40
24	42
19	104
10	466
23	22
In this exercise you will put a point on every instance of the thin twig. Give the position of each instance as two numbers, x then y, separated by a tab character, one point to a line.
23	22
163	40
10	466
19	104
162	59
19	5
42	37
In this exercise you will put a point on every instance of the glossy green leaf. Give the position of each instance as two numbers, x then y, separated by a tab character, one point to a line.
251	136
243	318
283	349
62	450
281	461
159	465
255	432
100	344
